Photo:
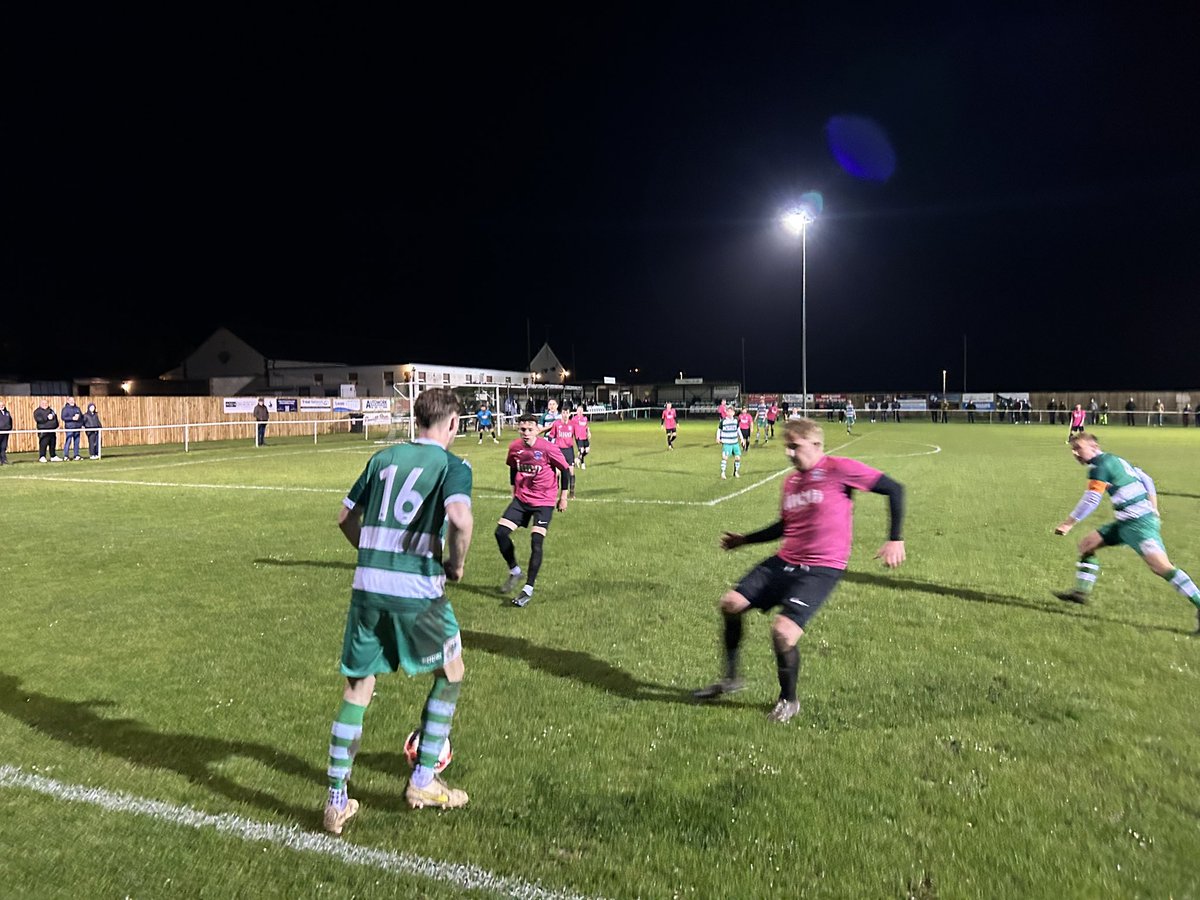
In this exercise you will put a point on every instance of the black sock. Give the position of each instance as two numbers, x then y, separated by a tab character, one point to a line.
504	539
788	663
535	557
733	639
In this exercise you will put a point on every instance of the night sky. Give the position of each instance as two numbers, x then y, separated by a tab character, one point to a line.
419	187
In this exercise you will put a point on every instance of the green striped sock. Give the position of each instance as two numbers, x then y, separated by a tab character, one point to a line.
1182	582
343	743
1086	572
435	727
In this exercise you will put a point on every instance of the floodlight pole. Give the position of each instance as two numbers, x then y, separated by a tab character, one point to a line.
804	313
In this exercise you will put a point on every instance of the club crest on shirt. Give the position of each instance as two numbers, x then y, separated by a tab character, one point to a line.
537	454
817	474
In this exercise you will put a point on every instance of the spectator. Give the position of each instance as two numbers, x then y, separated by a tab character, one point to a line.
261	415
1052	408
970	412
1093	412
47	426
1159	409
91	421
72	419
1129	408
6	425
1104	413
1186	415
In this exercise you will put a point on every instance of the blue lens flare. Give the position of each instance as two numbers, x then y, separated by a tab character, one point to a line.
861	147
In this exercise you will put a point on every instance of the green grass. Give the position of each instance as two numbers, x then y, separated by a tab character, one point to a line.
173	634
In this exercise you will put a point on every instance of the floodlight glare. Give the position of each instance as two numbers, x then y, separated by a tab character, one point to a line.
796	220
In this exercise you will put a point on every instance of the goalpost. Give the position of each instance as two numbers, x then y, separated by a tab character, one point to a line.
403	426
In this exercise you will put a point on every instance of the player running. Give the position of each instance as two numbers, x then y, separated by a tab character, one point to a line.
562	435
549	417
1137	524
533	462
815	521
486	421
851	417
583	434
405	501
744	421
669	425
730	440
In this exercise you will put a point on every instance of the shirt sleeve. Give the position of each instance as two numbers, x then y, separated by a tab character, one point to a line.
459	480
858	475
358	491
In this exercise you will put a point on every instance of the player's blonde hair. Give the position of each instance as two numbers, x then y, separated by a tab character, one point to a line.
805	429
1079	436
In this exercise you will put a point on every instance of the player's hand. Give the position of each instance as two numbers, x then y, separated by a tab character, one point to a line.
454	571
892	553
1063	527
729	540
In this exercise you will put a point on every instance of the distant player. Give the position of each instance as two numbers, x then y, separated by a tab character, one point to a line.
730	439
396	514
669	425
815	525
722	410
485	420
549	417
745	420
536	466
851	417
562	435
1077	419
772	416
583	434
1137	524
760	422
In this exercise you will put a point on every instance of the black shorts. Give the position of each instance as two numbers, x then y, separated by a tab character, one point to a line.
670	431
583	446
799	590
479	426
745	433
523	514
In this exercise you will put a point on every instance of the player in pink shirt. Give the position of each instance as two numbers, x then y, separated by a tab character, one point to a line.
815	519
668	422
745	420
536	465
722	410
583	434
562	435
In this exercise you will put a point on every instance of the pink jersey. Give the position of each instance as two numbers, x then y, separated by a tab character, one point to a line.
537	483
817	511
580	424
668	419
562	434
772	413
722	410
745	421
1077	417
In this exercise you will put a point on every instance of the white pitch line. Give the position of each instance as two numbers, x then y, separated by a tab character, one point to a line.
182	484
289	837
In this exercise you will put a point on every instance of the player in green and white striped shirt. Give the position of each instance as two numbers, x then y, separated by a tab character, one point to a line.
407	499
1135	504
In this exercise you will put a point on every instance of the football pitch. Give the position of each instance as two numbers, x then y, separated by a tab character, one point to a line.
173	622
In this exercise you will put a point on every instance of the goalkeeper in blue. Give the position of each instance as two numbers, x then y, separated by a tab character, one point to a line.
1135	503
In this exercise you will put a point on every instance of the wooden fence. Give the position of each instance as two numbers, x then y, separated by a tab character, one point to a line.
139	421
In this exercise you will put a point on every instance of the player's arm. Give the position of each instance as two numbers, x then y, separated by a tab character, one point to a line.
773	532
350	521
892	552
1151	492
557	460
1087	505
458	538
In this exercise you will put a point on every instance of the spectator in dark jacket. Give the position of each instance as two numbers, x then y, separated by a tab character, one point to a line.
1129	408
47	426
72	419
261	414
6	425
91	421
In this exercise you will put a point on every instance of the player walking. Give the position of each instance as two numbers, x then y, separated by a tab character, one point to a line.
562	435
815	525
533	462
744	421
583	434
485	421
851	417
669	424
1137	524
760	422
395	516
730	439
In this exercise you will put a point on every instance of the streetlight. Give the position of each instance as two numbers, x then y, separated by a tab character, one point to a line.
796	221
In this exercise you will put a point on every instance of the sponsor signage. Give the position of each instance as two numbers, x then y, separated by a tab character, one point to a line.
377	418
913	404
376	404
314	403
238	405
347	404
983	402
608	379
689	381
286	404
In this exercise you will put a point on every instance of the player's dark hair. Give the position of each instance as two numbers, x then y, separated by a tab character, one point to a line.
435	405
527	417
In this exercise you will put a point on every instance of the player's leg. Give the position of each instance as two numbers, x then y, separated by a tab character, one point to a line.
444	641
737	461
537	541
732	606
803	590
1155	555
1087	567
508	523
785	635
726	452
344	740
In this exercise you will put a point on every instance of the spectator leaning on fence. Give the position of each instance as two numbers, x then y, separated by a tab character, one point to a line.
72	419
6	425
91	421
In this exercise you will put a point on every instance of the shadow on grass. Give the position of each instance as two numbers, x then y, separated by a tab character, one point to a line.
581	667
1178	494
1062	609
198	758
315	563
